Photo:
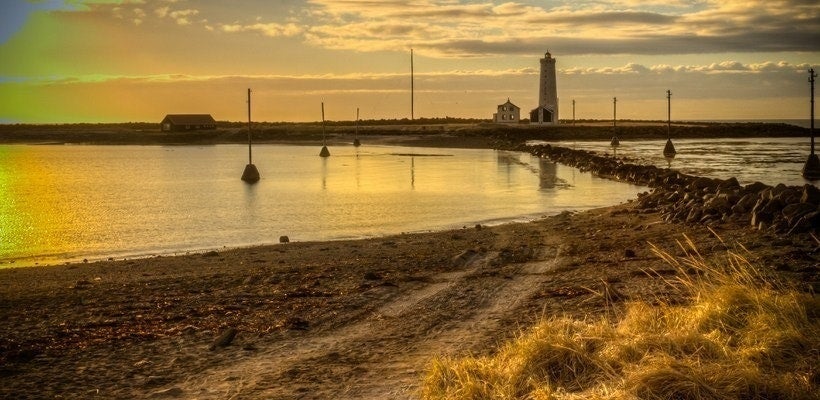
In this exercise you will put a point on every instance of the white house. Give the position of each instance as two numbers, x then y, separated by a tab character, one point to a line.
507	113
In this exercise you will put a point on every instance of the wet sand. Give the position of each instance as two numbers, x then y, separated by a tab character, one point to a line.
341	319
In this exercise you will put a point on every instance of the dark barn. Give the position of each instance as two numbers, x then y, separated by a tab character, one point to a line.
187	122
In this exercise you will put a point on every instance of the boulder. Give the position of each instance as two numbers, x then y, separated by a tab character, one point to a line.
811	194
756	187
729	183
807	223
701	183
793	212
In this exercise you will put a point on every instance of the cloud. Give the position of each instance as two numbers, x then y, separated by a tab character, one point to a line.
483	28
724	67
162	11
267	29
181	16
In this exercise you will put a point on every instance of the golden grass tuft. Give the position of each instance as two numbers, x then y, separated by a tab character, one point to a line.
744	335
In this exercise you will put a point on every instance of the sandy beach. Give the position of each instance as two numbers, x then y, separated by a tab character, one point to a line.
343	319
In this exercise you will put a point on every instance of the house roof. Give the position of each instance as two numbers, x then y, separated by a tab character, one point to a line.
189	119
510	103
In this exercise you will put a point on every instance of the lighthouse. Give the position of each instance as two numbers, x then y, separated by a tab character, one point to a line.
547	111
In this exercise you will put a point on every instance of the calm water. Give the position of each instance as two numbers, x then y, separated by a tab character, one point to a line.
767	160
61	203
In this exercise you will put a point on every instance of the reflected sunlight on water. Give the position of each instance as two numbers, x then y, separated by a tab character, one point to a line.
72	202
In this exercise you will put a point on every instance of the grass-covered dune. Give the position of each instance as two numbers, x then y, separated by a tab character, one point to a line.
740	335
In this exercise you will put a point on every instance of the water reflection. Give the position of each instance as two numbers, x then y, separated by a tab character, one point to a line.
413	172
669	160
53	206
547	177
324	173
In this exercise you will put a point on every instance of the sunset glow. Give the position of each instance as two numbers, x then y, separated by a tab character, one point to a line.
118	61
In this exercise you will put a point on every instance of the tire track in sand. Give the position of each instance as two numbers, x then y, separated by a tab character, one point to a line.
383	354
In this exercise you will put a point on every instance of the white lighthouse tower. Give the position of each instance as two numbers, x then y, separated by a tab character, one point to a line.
547	111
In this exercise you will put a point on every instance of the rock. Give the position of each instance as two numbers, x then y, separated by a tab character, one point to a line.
759	217
629	253
789	195
747	201
806	223
774	206
478	227
729	183
756	187
795	211
224	339
780	188
701	183
284	239
718	204
695	214
810	195
211	253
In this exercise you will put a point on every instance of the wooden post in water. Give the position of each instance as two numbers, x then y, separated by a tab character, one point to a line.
324	152
250	174
356	141
669	150
614	142
811	170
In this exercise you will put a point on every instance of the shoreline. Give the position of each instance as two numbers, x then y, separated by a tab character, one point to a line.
472	135
353	319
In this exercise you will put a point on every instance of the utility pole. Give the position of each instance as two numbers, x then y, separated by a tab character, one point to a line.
573	112
412	88
811	170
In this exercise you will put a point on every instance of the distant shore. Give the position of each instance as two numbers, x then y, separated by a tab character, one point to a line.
464	135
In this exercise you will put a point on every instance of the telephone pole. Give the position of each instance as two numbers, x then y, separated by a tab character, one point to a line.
412	88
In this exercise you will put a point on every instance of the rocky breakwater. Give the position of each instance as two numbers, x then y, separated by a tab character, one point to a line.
687	198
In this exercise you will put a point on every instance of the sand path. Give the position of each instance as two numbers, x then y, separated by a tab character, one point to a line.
383	353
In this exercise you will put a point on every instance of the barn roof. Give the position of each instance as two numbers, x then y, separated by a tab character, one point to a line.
189	119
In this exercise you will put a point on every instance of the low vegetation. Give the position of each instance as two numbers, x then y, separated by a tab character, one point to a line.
740	334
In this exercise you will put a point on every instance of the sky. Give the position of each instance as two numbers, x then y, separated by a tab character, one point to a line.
67	61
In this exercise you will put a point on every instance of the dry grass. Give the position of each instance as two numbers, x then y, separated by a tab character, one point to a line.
743	335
